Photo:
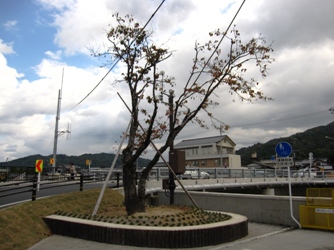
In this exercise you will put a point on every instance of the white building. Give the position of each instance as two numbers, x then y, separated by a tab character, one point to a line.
210	152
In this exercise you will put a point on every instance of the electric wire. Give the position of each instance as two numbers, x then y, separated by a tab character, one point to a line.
240	125
221	40
116	62
280	119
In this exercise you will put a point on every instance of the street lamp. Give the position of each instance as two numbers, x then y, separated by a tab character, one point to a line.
327	137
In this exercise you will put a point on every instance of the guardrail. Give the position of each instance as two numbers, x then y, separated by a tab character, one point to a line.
12	188
27	173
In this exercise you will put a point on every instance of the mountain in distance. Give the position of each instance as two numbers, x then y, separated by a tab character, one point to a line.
312	140
100	160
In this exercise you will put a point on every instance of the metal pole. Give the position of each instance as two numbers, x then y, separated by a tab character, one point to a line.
90	162
221	148
38	180
290	194
34	189
117	178
81	182
171	183
110	170
311	163
55	142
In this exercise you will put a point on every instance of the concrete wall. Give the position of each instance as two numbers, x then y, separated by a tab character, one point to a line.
234	161
266	209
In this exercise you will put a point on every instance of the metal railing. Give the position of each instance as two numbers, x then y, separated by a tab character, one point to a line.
15	187
216	173
27	173
158	173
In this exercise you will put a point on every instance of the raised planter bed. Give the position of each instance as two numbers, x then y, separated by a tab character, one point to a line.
153	237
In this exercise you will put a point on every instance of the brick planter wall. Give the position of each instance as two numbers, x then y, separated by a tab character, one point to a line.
154	237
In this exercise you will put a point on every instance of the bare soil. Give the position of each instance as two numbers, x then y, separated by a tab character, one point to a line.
162	216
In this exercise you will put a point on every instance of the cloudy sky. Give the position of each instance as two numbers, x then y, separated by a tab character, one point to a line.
41	38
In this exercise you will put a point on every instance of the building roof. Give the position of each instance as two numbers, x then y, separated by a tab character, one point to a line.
203	141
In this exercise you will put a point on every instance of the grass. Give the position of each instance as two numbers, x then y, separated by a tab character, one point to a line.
22	226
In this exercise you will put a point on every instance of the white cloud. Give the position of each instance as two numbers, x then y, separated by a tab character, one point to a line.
54	56
6	49
10	25
299	82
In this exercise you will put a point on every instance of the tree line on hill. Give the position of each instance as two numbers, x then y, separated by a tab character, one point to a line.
312	140
100	160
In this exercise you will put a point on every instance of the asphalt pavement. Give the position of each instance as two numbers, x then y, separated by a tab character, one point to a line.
260	237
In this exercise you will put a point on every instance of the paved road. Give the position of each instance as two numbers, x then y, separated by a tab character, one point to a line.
24	192
261	237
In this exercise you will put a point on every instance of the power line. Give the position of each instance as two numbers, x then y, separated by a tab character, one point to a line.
277	120
116	62
221	40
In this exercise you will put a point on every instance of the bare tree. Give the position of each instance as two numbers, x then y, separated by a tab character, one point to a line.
132	45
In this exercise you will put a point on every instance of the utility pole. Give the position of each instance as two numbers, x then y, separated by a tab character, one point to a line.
55	141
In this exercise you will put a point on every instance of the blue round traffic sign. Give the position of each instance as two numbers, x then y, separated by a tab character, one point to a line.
283	149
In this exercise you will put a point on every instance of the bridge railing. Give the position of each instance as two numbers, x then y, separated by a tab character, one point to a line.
216	173
158	173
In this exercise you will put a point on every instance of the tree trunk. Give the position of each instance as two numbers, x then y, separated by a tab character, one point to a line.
130	189
141	193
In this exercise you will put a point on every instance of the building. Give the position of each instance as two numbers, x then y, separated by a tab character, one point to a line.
210	152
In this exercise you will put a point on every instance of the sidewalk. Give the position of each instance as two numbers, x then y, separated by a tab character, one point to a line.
260	237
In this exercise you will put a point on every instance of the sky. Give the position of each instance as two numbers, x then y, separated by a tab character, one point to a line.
45	46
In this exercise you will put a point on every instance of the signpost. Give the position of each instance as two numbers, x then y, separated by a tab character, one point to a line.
39	169
284	162
88	162
284	150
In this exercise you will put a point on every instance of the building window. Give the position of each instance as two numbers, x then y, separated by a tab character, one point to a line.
230	150
195	151
206	150
203	163
195	163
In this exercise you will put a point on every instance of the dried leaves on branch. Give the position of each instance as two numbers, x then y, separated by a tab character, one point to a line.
221	62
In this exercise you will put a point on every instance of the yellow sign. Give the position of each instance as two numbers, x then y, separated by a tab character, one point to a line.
87	162
52	161
39	166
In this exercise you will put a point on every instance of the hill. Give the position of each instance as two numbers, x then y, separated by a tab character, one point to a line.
312	140
101	160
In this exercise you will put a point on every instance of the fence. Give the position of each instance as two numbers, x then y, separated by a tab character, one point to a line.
27	173
158	173
12	188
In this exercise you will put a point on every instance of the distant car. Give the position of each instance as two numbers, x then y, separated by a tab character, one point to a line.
194	175
305	173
